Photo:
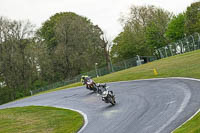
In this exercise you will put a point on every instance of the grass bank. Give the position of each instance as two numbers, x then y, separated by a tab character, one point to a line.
184	65
192	126
38	119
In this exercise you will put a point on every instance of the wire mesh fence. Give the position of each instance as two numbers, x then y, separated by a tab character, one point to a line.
184	45
125	64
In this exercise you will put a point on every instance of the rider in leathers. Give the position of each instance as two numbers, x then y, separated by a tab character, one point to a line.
84	80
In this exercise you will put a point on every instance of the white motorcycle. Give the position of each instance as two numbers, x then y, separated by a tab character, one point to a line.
108	97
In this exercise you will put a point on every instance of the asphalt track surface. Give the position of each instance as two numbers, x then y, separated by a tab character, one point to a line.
143	106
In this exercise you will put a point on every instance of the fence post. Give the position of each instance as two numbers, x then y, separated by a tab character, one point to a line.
166	51
187	42
99	72
193	42
125	66
111	66
182	48
170	49
31	92
198	41
138	60
161	55
96	69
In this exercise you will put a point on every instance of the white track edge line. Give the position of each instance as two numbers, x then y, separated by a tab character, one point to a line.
168	78
157	79
79	111
85	116
187	120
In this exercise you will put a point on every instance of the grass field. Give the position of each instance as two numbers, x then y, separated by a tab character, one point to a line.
38	119
185	65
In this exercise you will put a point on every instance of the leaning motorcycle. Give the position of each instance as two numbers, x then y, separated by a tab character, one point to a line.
108	97
91	85
101	88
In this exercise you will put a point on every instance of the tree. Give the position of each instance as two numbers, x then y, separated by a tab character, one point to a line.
175	29
192	23
143	29
74	44
125	46
106	45
156	28
17	64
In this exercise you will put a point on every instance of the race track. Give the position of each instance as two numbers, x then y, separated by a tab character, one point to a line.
143	106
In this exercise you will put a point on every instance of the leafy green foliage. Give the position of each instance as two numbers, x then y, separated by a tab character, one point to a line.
47	30
192	23
156	29
68	44
124	46
17	64
175	29
74	45
65	46
143	31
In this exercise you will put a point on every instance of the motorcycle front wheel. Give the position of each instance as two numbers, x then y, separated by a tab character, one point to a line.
113	102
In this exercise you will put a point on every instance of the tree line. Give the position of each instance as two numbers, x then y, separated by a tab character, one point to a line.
146	28
68	44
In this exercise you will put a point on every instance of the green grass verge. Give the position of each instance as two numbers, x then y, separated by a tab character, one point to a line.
185	65
192	126
38	119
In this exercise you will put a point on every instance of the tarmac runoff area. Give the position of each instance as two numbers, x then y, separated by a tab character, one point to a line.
143	106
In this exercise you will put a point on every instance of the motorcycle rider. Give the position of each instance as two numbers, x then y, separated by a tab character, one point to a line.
101	88
84	80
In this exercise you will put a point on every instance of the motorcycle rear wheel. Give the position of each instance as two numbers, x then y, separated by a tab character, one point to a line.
113	102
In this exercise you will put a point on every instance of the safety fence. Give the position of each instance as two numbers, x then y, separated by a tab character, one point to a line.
125	64
186	44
